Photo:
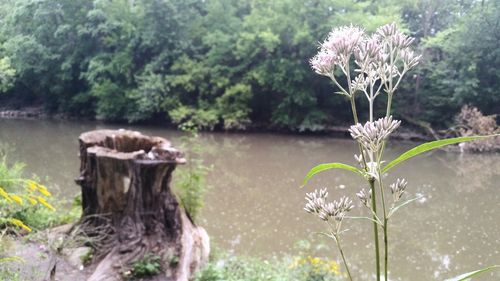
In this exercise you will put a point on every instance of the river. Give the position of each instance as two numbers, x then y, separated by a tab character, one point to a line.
254	203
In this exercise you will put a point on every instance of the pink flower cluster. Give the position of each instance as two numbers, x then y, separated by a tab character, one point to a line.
336	49
376	56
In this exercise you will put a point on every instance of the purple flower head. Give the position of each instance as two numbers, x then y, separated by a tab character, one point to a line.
336	49
344	40
323	62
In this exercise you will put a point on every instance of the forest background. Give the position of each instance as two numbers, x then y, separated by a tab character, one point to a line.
228	64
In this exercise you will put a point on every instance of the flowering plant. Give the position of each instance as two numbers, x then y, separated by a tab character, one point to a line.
371	66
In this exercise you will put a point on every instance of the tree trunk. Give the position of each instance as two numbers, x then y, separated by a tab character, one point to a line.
129	209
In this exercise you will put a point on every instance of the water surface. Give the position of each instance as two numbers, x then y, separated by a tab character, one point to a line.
254	205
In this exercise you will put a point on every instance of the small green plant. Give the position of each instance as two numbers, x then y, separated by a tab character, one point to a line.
191	184
173	261
149	265
9	274
380	62
87	258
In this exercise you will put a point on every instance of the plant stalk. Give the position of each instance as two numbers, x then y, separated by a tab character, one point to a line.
386	250
386	245
354	111
389	102
337	240
375	229
386	219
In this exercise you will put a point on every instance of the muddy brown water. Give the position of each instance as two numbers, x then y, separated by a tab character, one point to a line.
254	204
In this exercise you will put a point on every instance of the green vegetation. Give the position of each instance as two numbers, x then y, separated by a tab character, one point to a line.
17	196
9	274
24	207
87	257
254	269
149	265
7	74
190	181
40	218
307	265
22	201
25	201
233	64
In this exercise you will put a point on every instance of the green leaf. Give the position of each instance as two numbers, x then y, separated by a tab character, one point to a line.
392	211
430	146
467	276
328	166
11	259
366	218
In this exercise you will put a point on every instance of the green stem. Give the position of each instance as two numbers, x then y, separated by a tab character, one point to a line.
354	111
386	219
386	247
389	102
375	229
355	117
337	240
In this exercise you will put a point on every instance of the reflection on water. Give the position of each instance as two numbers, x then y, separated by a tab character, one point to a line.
255	204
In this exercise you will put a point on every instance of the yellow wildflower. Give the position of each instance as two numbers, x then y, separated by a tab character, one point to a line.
32	201
20	224
5	195
32	186
43	190
315	261
45	203
16	199
334	268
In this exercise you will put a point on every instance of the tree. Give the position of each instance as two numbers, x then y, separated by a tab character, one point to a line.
7	74
464	65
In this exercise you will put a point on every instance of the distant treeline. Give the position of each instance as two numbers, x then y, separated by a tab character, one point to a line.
233	64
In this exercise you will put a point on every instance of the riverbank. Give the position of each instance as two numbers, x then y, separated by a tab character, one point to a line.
335	131
24	113
34	257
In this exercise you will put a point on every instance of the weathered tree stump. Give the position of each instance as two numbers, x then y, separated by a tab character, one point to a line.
126	196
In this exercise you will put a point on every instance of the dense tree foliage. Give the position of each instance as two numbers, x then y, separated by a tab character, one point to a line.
233	64
463	65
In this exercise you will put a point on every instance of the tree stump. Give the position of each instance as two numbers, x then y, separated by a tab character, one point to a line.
128	206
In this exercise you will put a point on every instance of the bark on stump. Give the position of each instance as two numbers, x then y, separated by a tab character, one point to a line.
125	179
